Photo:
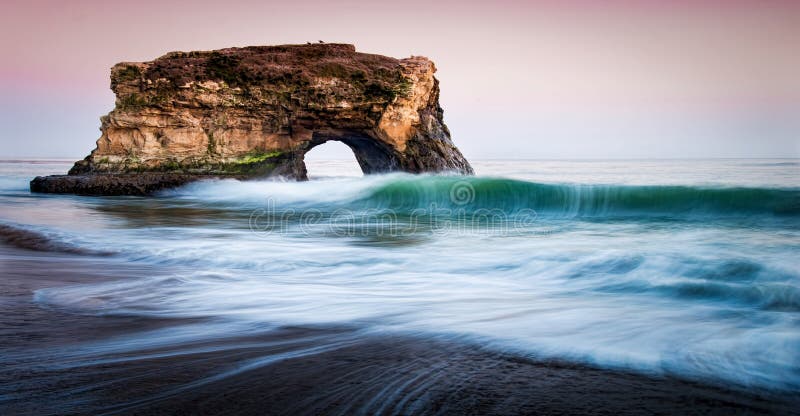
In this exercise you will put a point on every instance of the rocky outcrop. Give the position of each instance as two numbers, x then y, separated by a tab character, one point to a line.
256	111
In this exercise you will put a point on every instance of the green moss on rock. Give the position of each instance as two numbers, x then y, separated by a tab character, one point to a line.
132	102
253	163
129	73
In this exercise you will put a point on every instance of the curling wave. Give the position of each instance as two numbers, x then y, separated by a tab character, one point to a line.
511	195
405	193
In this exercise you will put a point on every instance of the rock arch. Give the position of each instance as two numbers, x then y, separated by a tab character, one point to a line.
372	156
255	112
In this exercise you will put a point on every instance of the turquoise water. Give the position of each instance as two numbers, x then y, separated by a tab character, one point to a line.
687	268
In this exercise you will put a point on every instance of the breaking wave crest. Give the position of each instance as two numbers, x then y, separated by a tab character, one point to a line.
582	200
406	193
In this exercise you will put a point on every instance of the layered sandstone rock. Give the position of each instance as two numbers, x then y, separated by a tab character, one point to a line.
256	111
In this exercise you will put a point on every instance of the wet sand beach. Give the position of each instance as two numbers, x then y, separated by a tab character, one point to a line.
48	366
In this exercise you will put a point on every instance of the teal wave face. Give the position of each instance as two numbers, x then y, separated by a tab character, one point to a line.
509	196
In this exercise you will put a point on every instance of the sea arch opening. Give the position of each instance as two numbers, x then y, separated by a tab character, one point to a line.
331	159
331	154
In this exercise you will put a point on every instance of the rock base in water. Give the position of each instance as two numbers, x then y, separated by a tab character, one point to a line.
115	184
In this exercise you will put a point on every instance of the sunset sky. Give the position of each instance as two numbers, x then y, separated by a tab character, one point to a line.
520	79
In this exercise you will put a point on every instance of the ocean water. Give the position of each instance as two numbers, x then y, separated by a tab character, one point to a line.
687	268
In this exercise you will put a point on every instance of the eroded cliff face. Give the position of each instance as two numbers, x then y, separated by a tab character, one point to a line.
256	111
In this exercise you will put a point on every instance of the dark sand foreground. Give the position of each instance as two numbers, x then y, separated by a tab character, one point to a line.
298	371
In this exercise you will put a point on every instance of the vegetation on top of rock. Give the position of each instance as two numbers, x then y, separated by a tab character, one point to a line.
261	72
388	91
132	101
129	73
226	68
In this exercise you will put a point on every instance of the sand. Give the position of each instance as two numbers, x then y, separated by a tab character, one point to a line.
299	370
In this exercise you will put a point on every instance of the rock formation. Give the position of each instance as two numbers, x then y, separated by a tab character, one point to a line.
255	112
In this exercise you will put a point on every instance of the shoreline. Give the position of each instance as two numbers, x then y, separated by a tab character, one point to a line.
296	370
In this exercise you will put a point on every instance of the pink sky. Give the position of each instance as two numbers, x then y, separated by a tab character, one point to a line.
536	78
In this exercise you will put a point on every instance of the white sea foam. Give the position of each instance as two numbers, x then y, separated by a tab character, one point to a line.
716	298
